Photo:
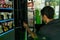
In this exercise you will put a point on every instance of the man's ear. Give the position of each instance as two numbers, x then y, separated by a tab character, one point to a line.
45	16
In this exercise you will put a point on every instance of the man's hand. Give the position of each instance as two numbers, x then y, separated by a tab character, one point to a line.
33	35
25	25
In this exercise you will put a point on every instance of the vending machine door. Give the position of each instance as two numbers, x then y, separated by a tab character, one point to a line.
20	15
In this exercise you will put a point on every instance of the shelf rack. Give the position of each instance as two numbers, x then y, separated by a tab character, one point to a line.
6	20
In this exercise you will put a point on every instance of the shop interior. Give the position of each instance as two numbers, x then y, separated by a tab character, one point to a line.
14	12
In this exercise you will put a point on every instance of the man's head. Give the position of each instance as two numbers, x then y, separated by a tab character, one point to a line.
47	14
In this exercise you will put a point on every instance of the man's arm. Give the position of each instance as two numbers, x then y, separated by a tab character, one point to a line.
33	35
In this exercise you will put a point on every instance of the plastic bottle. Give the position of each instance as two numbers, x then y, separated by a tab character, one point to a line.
38	16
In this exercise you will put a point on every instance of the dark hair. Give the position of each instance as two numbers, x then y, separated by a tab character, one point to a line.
48	11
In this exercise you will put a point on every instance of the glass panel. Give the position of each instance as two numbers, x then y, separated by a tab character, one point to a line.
55	5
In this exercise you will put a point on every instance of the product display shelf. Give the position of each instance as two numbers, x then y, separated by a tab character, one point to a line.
9	35
6	9
6	20
6	32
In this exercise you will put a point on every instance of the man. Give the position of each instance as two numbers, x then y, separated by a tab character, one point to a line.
50	31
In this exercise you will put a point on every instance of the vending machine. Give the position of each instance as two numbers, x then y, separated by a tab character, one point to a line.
34	13
29	11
